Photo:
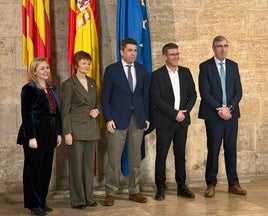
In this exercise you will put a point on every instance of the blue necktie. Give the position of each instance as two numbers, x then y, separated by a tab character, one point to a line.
129	77
223	86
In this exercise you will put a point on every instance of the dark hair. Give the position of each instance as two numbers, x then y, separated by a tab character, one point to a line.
78	56
126	41
218	38
169	46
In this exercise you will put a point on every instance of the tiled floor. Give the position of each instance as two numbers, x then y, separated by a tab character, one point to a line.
223	204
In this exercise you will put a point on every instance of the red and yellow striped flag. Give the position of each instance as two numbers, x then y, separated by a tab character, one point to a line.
36	40
83	34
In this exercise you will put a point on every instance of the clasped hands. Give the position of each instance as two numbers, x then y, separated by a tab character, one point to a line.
224	113
94	113
181	116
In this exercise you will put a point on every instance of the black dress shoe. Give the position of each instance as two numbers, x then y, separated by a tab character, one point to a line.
79	207
38	211
160	194
92	204
45	208
185	192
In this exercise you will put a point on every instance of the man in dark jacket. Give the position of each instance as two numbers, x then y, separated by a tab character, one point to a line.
221	91
173	96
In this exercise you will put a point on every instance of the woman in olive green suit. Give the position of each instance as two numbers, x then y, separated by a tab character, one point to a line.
80	109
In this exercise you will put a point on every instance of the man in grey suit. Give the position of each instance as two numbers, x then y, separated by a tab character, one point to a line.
125	109
221	91
173	96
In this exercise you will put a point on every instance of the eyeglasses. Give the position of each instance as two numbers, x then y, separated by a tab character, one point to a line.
222	46
173	54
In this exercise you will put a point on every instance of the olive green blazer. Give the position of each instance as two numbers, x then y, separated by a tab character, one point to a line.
76	105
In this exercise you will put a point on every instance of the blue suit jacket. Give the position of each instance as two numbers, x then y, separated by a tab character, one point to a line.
119	103
211	91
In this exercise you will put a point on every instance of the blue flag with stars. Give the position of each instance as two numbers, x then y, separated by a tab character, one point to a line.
132	21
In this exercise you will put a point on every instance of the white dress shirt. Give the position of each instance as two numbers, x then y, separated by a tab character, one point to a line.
133	72
175	81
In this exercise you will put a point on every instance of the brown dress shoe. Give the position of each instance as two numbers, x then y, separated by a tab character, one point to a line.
138	197
236	189
109	200
210	191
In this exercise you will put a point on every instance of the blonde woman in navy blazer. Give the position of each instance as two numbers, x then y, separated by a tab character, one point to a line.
80	109
39	134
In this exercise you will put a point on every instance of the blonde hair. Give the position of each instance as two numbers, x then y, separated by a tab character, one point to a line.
32	71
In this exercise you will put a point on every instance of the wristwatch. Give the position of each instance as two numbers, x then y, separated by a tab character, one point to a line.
231	108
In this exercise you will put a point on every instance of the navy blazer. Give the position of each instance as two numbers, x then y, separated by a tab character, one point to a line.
119	103
37	122
163	98
211	91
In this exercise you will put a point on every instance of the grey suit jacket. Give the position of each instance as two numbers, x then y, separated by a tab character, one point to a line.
76	105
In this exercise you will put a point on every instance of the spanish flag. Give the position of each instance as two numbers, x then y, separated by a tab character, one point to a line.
83	34
36	39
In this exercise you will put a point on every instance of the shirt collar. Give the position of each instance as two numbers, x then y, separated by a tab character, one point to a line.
171	71
125	64
218	61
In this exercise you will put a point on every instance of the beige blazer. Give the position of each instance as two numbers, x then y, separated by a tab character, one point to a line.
76	105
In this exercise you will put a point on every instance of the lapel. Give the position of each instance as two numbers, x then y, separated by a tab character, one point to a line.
167	82
41	95
80	90
56	96
182	78
138	76
215	72
228	76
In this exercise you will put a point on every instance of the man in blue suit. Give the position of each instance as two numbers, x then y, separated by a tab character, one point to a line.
125	107
221	91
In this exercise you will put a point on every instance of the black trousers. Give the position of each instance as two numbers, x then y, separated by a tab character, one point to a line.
36	175
178	135
218	132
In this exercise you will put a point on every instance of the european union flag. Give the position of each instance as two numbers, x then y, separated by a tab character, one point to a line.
132	21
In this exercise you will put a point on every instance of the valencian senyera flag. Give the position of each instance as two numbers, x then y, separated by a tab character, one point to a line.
132	21
36	37
83	34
